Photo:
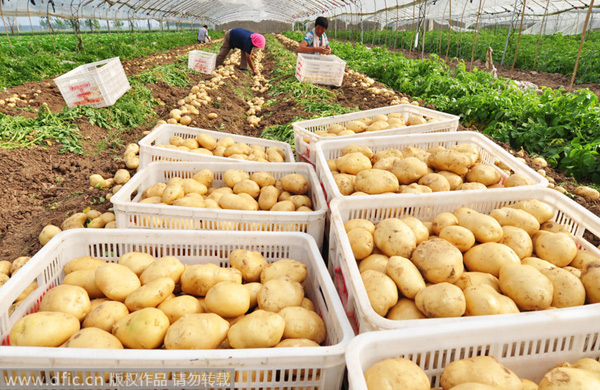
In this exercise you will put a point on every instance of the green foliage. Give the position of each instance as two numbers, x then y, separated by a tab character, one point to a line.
173	74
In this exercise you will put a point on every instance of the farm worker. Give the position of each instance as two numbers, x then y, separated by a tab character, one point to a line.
315	41
240	38
203	34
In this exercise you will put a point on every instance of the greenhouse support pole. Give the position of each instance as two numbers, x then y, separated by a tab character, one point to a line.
412	28
50	26
509	31
475	33
424	29
31	24
462	18
449	26
519	36
386	23
441	35
6	29
585	25
537	46
397	23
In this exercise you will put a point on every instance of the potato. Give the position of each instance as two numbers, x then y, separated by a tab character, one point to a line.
116	281
441	300
247	186
361	242
450	160
518	240
293	269
196	331
529	385
353	163
142	329
301	201
453	179
587	192
396	374
375	262
232	176
199	278
136	261
442	220
43	329
406	275
484	227
172	193
357	149
507	216
469	279
409	170
28	290
566	378
192	186
101	221
205	176
301	323
345	183
474	386
228	299
583	257
250	263
420	231
381	290
6	265
295	343
527	286
86	279
105	315
568	290
47	233
167	266
68	299
150	294
295	183
263	179
480	369
179	306
394	238
462	238
405	309
387	153
590	277
356	126
516	180
280	293
3	279
268	197
489	257
438	260
558	248
81	263
435	181
376	181
284	205
93	338
335	128
122	176
471	186
482	299
259	329
484	174
207	141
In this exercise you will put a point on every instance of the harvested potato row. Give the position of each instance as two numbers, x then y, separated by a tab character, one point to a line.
225	147
481	373
466	263
242	191
144	302
359	171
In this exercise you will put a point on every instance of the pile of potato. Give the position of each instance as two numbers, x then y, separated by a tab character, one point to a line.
206	144
481	373
144	302
359	171
393	120
242	191
8	270
468	263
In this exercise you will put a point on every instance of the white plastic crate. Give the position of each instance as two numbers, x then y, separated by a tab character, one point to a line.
149	152
344	269
306	139
530	348
269	368
202	61
99	84
132	214
489	150
317	69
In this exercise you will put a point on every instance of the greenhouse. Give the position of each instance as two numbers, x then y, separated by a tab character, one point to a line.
295	195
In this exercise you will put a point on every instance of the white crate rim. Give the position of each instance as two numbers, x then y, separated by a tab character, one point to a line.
325	148
148	149
414	341
28	271
364	309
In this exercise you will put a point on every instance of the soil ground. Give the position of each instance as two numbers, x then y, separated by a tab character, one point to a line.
43	186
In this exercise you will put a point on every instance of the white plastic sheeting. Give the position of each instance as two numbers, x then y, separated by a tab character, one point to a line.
460	13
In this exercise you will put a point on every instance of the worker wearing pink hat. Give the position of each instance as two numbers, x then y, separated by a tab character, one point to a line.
245	40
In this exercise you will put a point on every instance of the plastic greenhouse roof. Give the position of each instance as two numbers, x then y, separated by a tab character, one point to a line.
466	12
